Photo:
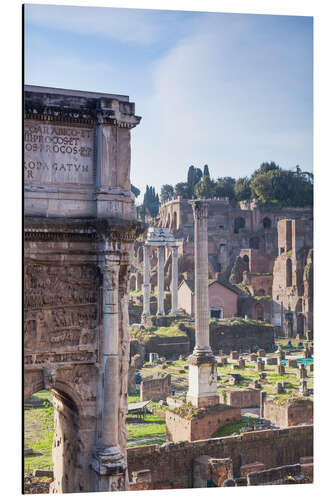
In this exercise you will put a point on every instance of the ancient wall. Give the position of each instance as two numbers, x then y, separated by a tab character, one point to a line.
240	337
292	288
171	465
287	415
258	234
221	297
203	427
243	398
156	388
169	347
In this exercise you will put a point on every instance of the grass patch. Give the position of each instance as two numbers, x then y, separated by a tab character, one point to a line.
38	433
152	426
234	427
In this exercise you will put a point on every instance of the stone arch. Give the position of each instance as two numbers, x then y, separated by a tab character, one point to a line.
261	292
239	223
168	220
259	312
267	223
254	243
289	273
67	445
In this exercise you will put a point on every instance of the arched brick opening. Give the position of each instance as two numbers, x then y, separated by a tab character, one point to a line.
259	312
261	292
267	223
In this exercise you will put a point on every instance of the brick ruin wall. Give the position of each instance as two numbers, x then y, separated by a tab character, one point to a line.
180	429
288	415
169	347
243	399
241	337
155	389
171	464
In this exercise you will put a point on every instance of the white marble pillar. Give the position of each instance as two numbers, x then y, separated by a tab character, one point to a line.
174	281
146	281
201	305
160	281
110	356
108	460
202	389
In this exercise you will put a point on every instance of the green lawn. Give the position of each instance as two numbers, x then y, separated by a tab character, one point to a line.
38	432
152	426
234	427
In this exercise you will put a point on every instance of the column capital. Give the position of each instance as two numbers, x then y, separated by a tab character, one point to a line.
200	209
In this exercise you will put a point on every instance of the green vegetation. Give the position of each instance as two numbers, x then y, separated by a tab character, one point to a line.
151	332
152	426
234	427
150	204
269	185
38	431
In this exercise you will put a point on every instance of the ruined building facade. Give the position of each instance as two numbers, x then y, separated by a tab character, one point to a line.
244	229
292	289
79	233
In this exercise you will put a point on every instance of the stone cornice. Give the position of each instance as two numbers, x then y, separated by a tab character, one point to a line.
63	229
84	116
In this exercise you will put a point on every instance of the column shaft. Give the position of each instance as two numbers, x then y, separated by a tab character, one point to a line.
201	303
174	281
160	281
146	280
110	354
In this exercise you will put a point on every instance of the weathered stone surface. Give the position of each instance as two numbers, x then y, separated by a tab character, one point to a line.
79	232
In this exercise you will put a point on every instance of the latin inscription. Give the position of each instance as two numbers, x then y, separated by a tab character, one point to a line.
56	154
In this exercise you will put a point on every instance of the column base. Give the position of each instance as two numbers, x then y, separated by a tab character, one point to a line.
108	461
203	401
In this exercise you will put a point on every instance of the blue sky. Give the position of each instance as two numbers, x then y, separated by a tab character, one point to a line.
229	90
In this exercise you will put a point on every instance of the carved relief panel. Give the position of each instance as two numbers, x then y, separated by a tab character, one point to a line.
61	315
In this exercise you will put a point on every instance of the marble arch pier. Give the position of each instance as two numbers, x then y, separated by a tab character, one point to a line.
79	232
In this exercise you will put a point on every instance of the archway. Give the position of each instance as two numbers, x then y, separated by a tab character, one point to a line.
51	434
239	224
261	292
259	312
267	223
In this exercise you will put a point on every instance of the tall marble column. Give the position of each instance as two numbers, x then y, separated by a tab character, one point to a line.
146	281
202	363
174	281
109	461
160	281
